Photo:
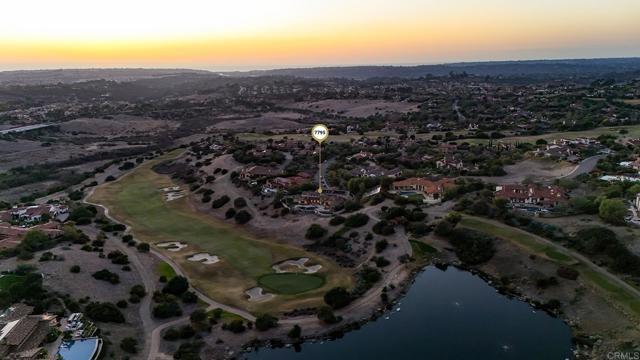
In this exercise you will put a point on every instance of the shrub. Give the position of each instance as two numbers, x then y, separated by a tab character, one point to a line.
295	332
138	290
381	245
336	220
235	326
337	297
177	286
104	312
220	202
75	269
315	231
230	213
243	217
106	275
265	322
356	220
326	315
239	203
143	247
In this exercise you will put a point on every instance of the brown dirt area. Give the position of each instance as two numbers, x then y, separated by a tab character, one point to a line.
356	108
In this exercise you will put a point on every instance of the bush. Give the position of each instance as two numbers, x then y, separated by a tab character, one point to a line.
104	312
220	202
177	286
265	322
337	298
243	217
239	203
230	213
315	231
167	309
106	275
295	332
336	220
381	245
384	228
75	269
613	211
138	290
122	304
235	326
171	334
143	247
326	315
356	220
472	247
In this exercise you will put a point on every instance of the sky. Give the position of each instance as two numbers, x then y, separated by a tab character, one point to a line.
262	34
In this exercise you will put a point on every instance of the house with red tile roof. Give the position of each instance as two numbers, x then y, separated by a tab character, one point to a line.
531	194
432	190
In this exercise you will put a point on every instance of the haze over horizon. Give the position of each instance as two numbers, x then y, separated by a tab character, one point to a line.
254	34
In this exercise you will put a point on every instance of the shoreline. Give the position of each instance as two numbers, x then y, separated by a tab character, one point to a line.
403	288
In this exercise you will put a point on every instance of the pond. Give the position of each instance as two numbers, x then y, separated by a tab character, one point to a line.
450	314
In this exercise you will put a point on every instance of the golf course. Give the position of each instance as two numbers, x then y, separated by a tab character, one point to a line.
245	261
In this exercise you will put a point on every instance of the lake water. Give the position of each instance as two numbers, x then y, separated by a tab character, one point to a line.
450	314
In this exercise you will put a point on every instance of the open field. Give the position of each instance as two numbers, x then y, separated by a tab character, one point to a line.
531	243
355	108
137	200
631	101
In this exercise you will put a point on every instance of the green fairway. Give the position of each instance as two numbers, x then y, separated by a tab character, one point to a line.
137	199
290	283
165	270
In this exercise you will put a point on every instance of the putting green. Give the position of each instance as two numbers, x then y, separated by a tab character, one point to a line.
290	283
137	199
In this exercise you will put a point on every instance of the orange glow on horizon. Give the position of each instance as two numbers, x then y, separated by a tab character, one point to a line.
419	37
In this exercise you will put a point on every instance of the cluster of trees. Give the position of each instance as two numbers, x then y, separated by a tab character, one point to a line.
472	247
603	243
166	302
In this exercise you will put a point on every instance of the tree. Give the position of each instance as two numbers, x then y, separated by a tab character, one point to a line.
129	345
326	315
613	211
243	217
265	322
75	269
138	290
104	312
143	247
315	231
177	286
295	332
337	297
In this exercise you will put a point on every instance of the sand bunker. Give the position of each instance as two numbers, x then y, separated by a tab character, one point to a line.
257	294
172	245
299	263
204	258
172	193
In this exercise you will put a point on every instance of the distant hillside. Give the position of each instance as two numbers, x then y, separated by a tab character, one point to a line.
533	68
36	77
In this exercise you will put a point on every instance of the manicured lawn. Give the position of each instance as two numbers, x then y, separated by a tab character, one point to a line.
137	200
421	249
165	270
290	283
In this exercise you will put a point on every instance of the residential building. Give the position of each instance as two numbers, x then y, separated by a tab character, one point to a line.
545	196
432	190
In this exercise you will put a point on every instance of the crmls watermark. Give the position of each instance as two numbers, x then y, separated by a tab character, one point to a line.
623	355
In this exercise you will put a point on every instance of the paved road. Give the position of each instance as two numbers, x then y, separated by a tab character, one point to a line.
585	167
569	252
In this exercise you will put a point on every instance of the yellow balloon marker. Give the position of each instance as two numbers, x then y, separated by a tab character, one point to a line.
320	133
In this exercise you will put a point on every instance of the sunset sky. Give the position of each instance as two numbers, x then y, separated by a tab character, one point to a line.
249	34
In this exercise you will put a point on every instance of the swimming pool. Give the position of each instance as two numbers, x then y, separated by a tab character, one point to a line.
80	349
